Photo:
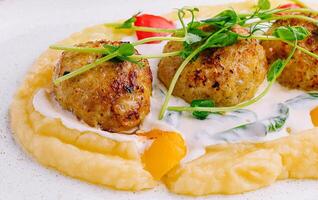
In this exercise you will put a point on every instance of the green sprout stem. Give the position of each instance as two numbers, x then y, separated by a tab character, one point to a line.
103	51
152	39
283	17
222	109
261	37
180	16
301	10
85	68
143	28
79	49
175	53
285	10
174	81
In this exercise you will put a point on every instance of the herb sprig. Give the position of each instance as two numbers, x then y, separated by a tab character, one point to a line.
123	52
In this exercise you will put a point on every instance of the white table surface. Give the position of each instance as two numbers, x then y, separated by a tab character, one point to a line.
27	27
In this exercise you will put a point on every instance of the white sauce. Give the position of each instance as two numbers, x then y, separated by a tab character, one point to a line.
197	133
45	104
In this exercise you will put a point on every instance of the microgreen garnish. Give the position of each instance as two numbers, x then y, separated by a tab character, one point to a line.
181	14
259	128
275	70
225	18
282	17
128	23
84	68
191	38
291	33
276	123
221	39
201	103
151	39
192	12
264	4
313	94
125	49
187	50
122	52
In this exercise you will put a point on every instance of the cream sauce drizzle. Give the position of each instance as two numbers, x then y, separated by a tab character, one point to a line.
45	103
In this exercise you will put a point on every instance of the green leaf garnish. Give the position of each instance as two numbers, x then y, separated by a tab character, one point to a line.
128	23
126	49
187	50
222	39
201	103
110	48
225	18
291	33
264	4
121	52
276	123
259	128
275	69
313	94
191	38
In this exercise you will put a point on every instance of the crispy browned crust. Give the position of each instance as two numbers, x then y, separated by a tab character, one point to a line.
114	96
302	71
227	75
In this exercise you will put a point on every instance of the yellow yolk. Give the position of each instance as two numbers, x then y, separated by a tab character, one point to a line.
166	151
314	116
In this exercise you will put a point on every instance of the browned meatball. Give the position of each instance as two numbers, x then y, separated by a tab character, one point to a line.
114	96
302	71
226	75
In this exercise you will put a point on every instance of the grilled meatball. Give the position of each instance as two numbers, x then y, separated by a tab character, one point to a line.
114	96
226	75
302	71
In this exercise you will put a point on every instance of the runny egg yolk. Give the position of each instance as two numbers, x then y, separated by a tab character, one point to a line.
166	151
314	116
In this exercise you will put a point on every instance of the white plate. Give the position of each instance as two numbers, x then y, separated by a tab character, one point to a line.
26	30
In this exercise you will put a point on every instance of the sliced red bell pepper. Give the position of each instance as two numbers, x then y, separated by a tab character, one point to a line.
154	21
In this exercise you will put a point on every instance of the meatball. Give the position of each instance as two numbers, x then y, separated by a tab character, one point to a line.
302	71
114	96
227	75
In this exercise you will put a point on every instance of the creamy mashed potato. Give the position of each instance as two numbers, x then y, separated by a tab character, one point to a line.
90	156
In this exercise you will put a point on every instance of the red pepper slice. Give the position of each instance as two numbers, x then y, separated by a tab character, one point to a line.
154	21
288	5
